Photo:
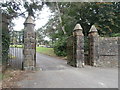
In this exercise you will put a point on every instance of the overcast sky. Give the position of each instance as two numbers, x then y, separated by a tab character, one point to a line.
43	19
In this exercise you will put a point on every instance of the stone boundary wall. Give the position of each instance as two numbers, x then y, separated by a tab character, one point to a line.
103	51
108	51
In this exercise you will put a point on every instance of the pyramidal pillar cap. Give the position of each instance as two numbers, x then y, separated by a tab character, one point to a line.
93	29
29	20
77	27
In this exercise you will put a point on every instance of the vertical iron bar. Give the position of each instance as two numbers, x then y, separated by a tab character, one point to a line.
35	51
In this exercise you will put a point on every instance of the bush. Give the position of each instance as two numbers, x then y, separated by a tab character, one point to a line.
60	47
116	35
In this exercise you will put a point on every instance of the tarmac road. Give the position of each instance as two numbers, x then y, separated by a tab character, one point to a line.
55	73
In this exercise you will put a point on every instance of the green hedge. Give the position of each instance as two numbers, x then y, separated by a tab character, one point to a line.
60	47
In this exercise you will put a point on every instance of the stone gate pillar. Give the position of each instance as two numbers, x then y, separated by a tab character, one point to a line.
78	47
93	46
29	44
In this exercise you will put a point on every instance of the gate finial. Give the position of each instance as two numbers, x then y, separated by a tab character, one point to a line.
78	27
93	29
77	30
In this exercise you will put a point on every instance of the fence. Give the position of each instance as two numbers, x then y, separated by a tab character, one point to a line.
16	49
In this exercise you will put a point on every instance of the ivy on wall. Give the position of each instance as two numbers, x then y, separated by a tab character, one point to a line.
5	41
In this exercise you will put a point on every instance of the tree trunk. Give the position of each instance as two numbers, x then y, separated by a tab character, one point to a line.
60	19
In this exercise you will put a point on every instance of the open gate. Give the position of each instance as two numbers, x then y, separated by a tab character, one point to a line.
16	49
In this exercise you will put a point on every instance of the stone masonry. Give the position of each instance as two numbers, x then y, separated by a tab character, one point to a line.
77	44
70	55
29	44
93	46
103	51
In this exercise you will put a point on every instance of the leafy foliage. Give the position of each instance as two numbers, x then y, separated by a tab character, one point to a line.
60	47
15	9
12	9
31	8
5	46
104	15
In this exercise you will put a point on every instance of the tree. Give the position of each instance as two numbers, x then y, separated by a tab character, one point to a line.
40	36
15	9
104	15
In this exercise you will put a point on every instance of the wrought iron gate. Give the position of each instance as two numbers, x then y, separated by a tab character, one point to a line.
16	49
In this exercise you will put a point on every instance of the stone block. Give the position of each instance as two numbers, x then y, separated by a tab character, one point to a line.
32	40
31	63
31	34
26	51
29	51
26	64
29	57
30	46
26	40
108	61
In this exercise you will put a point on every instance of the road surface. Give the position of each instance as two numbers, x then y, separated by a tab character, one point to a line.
55	73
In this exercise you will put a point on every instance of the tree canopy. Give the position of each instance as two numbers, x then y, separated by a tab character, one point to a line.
15	9
105	16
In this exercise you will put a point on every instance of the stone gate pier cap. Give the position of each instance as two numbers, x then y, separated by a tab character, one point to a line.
29	20
77	27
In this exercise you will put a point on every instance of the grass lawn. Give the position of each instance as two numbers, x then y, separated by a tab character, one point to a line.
18	46
46	51
42	50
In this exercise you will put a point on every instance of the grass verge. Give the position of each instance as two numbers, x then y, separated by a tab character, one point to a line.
18	46
49	52
42	50
46	51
